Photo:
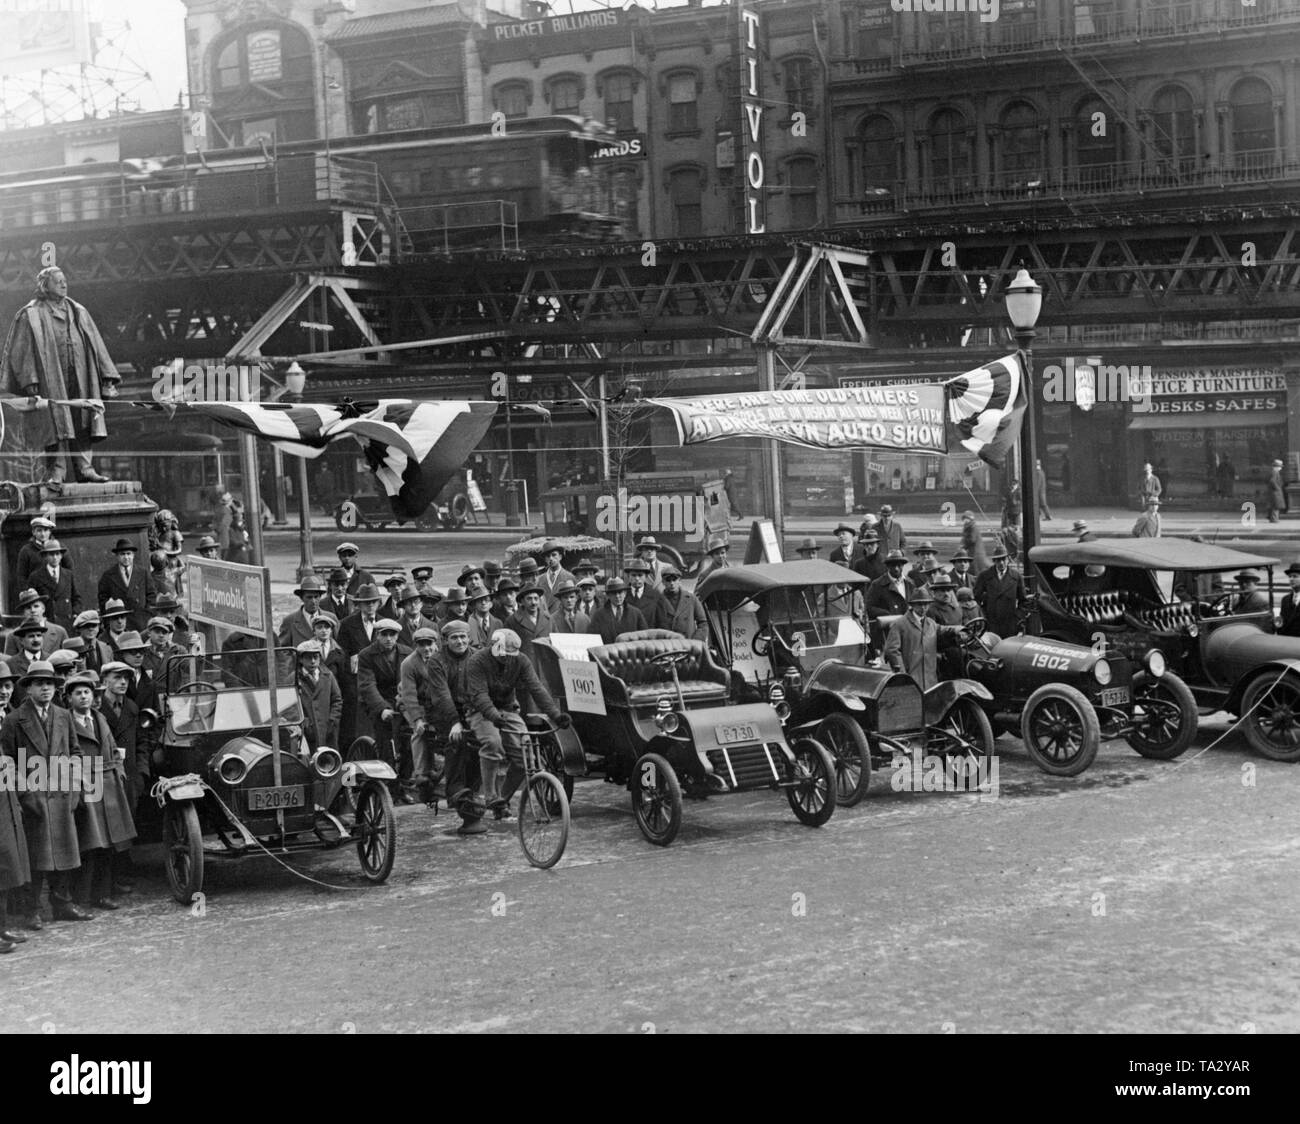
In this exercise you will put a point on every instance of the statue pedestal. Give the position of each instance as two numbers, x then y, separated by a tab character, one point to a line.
88	521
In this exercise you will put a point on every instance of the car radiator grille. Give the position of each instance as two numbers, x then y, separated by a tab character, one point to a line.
747	766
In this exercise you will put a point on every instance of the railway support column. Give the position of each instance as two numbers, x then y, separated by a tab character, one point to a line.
771	448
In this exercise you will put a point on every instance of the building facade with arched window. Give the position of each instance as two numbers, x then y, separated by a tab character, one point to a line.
1050	116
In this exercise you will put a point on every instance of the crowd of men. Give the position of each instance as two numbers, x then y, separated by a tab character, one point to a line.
440	679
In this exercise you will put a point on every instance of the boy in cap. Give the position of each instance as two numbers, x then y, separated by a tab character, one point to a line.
320	696
39	727
324	629
29	557
379	671
966	602
126	582
54	582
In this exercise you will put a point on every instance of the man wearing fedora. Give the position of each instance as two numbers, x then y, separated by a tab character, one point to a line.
113	616
298	625
1275	503
38	727
472	579
807	548
716	547
55	582
126	582
30	636
1081	531
379	673
530	621
847	551
123	716
913	641
685	613
892	536
568	618
887	596
29	557
616	616
319	695
1148	525
1291	603
927	564
648	551
642	596
208	548
455	606
944	608
32	607
1000	592
15	866
356	633
505	600
554	575
1249	598
410	615
482	623
357	577
961	568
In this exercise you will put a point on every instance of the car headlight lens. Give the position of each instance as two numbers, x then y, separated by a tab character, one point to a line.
1101	672
1156	663
669	721
776	694
327	761
232	769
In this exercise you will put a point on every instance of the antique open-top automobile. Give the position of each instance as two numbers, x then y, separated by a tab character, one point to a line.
787	633
667	728
1139	596
220	776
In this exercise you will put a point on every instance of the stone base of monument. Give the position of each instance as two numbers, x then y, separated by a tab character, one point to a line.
88	520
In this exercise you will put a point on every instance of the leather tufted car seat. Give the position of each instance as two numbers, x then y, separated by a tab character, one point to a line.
630	677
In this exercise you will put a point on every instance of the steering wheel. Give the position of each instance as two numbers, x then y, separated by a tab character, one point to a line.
1218	606
199	687
974	628
761	645
670	659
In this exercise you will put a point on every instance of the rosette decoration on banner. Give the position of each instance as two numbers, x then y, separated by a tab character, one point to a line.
413	448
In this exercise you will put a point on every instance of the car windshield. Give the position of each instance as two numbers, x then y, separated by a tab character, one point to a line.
229	691
823	615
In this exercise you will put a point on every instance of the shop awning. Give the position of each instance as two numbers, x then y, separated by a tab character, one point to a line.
1238	419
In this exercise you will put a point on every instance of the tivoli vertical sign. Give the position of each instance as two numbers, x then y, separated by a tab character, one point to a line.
751	125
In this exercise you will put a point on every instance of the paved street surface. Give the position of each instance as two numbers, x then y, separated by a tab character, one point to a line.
1142	896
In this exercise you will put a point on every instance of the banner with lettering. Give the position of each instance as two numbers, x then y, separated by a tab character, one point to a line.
908	418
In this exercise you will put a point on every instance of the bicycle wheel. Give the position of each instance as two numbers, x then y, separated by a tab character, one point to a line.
543	820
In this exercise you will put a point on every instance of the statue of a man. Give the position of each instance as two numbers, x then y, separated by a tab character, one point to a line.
55	352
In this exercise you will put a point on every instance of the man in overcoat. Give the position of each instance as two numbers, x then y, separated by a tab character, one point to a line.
15	868
999	592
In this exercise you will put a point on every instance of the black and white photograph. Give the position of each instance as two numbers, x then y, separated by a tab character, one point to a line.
664	517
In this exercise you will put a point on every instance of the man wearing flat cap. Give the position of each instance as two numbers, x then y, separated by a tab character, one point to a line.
379	673
320	697
357	577
391	605
685	613
87	627
54	581
449	689
126	582
415	699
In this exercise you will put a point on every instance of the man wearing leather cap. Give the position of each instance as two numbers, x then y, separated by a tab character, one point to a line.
449	675
498	678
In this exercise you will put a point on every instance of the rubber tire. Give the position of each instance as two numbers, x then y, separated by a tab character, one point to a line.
806	746
1089	727
1187	719
1257	688
853	743
553	763
182	819
552	797
983	727
668	785
381	872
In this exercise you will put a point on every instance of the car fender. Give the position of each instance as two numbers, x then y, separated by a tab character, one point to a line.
845	680
940	697
355	772
1274	667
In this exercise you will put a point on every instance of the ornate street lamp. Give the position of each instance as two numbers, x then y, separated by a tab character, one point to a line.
1024	302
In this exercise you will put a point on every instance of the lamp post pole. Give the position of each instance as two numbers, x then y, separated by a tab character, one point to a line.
1024	302
295	382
